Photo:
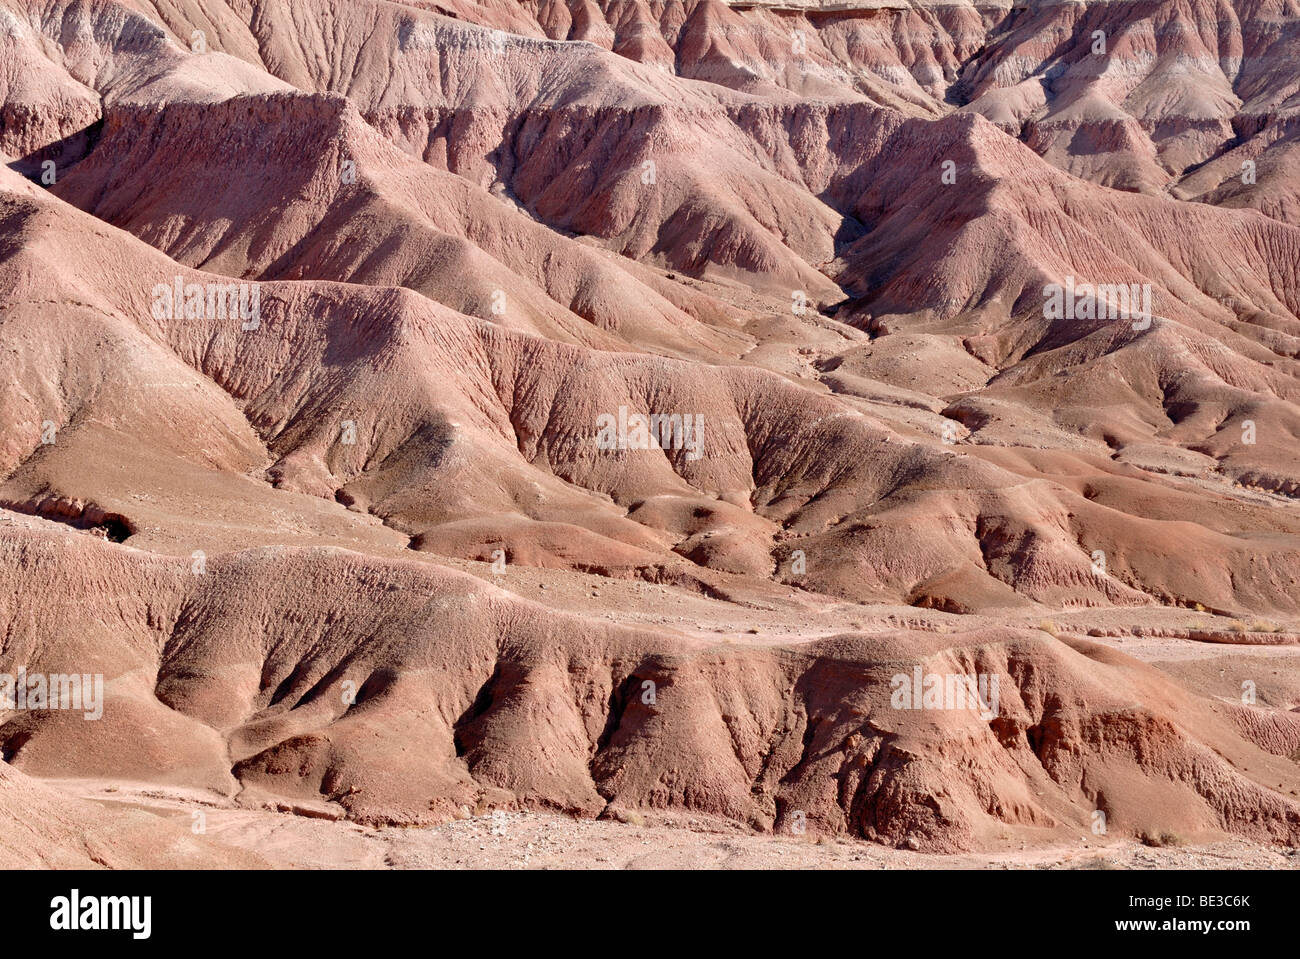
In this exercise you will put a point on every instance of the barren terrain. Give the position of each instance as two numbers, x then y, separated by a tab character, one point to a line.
651	433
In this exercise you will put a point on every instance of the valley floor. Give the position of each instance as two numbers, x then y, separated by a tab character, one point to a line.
548	841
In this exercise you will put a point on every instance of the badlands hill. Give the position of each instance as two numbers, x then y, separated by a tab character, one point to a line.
313	315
